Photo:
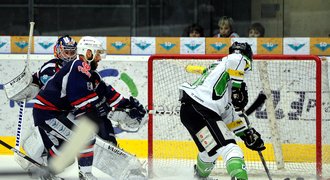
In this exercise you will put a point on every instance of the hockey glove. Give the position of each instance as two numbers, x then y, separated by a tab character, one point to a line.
137	110
252	140
239	97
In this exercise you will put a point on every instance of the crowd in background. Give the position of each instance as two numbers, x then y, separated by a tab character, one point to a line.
226	29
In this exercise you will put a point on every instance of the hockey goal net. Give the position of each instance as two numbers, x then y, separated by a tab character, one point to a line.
293	122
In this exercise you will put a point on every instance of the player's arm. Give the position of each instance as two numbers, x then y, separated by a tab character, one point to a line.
236	67
128	113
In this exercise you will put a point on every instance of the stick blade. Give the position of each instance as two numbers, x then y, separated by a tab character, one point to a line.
257	103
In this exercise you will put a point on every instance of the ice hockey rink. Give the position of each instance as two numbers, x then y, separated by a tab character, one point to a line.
10	170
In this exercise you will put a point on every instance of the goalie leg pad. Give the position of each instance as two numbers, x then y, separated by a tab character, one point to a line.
116	162
34	148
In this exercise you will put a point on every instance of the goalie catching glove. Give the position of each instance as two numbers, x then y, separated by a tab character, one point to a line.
129	118
239	97
252	140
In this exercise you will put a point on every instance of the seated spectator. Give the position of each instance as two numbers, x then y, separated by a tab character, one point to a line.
256	30
226	27
193	30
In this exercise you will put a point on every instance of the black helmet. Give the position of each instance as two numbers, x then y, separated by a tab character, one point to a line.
243	48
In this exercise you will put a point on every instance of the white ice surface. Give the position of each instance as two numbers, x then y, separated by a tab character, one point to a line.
8	164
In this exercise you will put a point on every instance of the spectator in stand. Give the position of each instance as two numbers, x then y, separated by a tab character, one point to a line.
226	27
194	30
256	30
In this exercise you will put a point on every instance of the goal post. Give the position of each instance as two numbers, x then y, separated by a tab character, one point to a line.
290	121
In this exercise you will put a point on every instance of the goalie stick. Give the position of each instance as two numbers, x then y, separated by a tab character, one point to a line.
16	85
21	154
69	150
43	169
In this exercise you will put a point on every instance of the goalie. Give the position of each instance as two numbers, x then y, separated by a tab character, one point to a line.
208	111
65	51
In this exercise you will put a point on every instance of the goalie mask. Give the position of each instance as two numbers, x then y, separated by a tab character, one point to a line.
88	44
66	48
244	49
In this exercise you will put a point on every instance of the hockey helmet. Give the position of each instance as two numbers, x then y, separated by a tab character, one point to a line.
66	48
242	48
94	45
245	50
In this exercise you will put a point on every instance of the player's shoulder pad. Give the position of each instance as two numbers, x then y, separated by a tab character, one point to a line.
49	64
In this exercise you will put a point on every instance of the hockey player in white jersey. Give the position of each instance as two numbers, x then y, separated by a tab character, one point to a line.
208	112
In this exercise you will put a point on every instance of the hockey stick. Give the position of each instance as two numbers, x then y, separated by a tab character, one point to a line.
21	154
81	134
22	103
258	102
259	152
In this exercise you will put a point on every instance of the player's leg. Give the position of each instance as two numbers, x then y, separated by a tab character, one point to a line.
232	153
193	118
106	131
86	157
211	135
58	130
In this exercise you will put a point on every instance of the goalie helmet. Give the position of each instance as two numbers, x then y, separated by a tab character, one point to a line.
244	49
88	43
66	48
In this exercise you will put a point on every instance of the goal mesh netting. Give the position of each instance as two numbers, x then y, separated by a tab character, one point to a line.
293	122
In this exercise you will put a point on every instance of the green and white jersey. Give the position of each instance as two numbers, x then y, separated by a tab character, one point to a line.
213	88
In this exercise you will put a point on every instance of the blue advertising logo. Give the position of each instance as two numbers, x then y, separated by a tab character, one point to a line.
269	46
167	45
45	45
21	44
192	46
2	44
296	47
323	46
118	45
218	46
143	45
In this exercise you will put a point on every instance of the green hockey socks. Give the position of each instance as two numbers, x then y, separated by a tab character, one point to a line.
204	169
236	168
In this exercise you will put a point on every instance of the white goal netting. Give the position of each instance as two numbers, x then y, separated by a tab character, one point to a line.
293	122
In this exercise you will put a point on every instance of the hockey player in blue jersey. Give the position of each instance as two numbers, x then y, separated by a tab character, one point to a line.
208	111
78	88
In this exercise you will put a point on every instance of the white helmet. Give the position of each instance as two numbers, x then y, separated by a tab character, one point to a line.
93	44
